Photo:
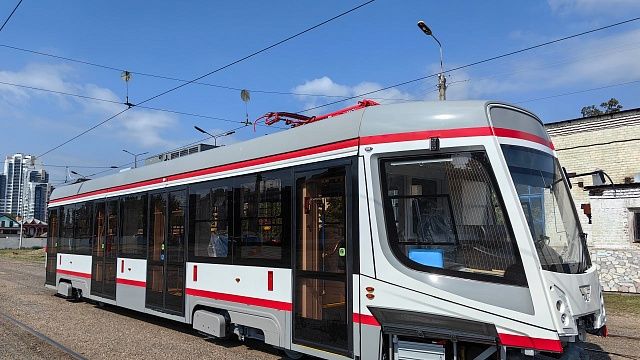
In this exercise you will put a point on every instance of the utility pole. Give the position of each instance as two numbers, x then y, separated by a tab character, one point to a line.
442	80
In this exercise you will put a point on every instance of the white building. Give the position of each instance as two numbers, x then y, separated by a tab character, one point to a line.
25	187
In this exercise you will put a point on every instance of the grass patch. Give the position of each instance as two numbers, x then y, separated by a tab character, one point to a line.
622	304
31	255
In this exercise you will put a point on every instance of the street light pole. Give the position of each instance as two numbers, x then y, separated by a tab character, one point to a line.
135	157
214	137
442	80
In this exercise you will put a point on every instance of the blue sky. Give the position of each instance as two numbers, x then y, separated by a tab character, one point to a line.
376	46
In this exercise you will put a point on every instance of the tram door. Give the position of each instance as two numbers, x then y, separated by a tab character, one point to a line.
322	305
52	248
165	253
104	251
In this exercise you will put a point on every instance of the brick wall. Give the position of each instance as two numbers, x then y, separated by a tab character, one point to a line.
609	142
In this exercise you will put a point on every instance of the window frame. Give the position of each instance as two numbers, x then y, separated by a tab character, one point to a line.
286	177
197	188
142	197
88	208
392	236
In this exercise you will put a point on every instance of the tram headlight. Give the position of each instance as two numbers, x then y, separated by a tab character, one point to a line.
564	319
560	306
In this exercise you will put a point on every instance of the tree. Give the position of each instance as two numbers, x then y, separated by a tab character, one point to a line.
611	106
608	107
590	110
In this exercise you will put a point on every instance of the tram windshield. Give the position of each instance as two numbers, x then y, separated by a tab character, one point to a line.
548	208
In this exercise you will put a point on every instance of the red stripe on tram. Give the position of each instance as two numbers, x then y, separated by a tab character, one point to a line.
272	304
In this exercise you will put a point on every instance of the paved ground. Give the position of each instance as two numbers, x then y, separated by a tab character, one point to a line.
108	333
96	333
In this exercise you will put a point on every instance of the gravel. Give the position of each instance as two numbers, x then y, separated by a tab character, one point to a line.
98	333
110	332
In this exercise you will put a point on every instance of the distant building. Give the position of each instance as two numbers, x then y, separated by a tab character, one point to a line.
611	218
8	225
3	190
25	188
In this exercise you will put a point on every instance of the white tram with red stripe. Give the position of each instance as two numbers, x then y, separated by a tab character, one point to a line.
426	230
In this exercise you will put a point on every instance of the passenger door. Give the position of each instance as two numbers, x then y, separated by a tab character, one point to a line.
104	251
322	267
52	248
165	255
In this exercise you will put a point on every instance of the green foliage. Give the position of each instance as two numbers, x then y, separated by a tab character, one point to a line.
607	107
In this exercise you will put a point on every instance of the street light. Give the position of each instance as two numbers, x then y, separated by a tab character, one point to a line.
215	137
135	157
442	81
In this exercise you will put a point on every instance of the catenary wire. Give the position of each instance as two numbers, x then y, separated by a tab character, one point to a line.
121	103
10	15
476	63
209	73
168	151
275	92
578	92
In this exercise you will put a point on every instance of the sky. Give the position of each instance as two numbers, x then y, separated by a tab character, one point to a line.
371	48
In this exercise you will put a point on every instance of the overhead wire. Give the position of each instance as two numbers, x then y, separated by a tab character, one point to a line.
172	78
10	15
578	92
168	151
209	73
475	63
121	103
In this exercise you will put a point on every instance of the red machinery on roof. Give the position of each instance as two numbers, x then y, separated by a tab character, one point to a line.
294	119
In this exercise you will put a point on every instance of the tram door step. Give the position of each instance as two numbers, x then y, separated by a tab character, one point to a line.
408	350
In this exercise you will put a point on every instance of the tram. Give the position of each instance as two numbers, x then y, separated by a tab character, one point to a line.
422	230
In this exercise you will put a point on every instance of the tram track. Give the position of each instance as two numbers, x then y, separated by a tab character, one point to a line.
42	337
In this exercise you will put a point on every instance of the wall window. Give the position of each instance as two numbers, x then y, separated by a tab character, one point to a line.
262	204
133	240
209	221
444	215
636	227
82	228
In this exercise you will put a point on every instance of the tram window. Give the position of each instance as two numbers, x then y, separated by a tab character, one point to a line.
263	204
444	215
66	231
209	222
133	242
82	228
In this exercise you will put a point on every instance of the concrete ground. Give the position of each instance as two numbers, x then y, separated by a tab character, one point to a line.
108	333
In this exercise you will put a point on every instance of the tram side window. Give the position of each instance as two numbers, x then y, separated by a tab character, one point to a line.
82	228
133	242
66	230
262	204
444	215
209	212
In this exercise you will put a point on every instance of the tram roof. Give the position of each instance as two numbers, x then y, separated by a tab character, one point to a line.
370	121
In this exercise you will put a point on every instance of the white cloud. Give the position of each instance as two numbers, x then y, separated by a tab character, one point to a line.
141	127
326	86
591	63
593	7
